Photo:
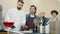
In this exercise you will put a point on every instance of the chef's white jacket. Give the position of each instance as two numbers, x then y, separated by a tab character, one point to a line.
16	16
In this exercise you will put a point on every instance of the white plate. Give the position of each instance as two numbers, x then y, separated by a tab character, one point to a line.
20	31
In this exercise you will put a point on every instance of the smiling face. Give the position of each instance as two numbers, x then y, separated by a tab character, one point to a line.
54	15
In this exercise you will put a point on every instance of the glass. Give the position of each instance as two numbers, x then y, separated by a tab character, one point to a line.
8	25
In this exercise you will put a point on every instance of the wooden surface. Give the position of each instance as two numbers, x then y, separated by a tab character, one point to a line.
4	33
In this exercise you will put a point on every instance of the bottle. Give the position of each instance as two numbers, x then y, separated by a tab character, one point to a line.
38	29
34	28
41	26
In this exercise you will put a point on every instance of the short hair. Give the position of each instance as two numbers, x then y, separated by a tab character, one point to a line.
21	1
34	7
54	11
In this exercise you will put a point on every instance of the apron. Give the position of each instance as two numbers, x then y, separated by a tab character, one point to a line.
54	27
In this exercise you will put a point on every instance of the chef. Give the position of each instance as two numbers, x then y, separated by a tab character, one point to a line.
16	15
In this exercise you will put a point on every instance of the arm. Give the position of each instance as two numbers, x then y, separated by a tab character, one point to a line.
23	19
36	22
48	22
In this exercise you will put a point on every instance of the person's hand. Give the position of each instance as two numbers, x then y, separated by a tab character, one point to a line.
30	30
8	28
36	22
25	26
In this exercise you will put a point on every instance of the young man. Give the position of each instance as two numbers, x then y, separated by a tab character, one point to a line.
16	15
31	18
54	15
54	23
42	20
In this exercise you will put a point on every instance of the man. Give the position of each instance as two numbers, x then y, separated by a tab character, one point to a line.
31	18
42	20
54	15
54	23
16	15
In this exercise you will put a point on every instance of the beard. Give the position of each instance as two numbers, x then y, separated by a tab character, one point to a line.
18	8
